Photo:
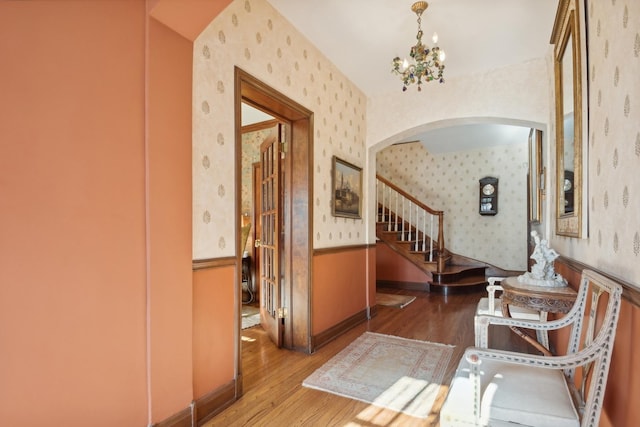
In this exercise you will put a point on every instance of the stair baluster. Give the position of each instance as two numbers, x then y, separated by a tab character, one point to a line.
403	221
389	208
395	214
417	229
407	234
424	232
379	202
409	221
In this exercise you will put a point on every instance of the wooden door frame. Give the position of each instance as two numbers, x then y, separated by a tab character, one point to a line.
298	210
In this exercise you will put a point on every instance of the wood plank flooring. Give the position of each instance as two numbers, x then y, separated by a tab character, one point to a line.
273	392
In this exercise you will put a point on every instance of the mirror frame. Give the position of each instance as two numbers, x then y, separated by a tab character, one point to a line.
536	176
567	28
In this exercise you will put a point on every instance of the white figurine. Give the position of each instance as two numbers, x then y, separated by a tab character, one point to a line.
542	273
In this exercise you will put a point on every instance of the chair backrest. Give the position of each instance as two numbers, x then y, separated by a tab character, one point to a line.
594	343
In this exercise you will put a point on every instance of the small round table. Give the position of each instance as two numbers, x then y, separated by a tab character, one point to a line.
542	298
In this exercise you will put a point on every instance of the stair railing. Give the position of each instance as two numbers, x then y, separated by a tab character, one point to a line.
411	218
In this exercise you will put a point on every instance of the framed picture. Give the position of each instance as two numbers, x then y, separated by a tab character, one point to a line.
347	189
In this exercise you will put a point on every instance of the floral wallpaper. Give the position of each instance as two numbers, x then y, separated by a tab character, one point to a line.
450	182
252	35
613	45
251	154
255	37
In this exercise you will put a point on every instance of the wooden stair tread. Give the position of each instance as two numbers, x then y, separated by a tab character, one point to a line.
471	280
452	270
466	284
455	276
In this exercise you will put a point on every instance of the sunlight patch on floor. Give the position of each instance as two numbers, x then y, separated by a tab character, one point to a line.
407	392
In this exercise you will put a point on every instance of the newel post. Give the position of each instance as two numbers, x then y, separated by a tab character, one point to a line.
441	257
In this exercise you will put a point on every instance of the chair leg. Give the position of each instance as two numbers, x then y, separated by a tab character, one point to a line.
476	332
481	331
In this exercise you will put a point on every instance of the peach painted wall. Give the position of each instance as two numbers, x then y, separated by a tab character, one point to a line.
338	286
214	320
176	328
72	235
623	386
186	17
169	83
96	229
193	349
394	268
371	275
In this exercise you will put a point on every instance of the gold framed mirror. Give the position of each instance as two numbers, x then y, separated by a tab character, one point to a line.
570	103
536	177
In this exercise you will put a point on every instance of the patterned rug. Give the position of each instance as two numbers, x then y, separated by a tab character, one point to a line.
387	371
250	316
394	300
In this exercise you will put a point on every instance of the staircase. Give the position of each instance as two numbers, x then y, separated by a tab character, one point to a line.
408	227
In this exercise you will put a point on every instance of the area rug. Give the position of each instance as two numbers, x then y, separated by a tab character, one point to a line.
394	300
250	316
387	371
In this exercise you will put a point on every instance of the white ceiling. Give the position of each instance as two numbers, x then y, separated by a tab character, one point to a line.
361	37
252	115
471	137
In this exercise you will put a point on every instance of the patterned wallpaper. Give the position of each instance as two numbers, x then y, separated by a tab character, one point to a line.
252	35
449	182
519	94
250	154
613	43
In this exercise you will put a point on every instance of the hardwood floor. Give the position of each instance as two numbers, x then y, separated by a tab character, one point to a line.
273	392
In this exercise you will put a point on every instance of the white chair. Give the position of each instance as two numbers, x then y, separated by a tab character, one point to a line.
499	388
492	306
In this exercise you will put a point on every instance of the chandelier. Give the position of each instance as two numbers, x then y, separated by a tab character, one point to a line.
426	64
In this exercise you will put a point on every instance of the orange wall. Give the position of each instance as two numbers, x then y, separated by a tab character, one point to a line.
186	17
394	268
371	275
169	84
72	235
96	296
214	321
338	291
189	328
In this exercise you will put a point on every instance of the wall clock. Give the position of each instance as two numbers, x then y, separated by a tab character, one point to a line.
488	189
488	200
568	188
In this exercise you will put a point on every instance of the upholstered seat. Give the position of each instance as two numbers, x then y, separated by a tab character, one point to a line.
519	394
494	388
492	306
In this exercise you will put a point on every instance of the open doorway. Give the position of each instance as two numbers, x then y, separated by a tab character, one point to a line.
289	300
258	128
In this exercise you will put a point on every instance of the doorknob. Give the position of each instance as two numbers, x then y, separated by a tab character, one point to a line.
257	243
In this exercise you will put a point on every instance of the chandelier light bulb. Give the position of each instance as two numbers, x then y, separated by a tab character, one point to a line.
424	63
